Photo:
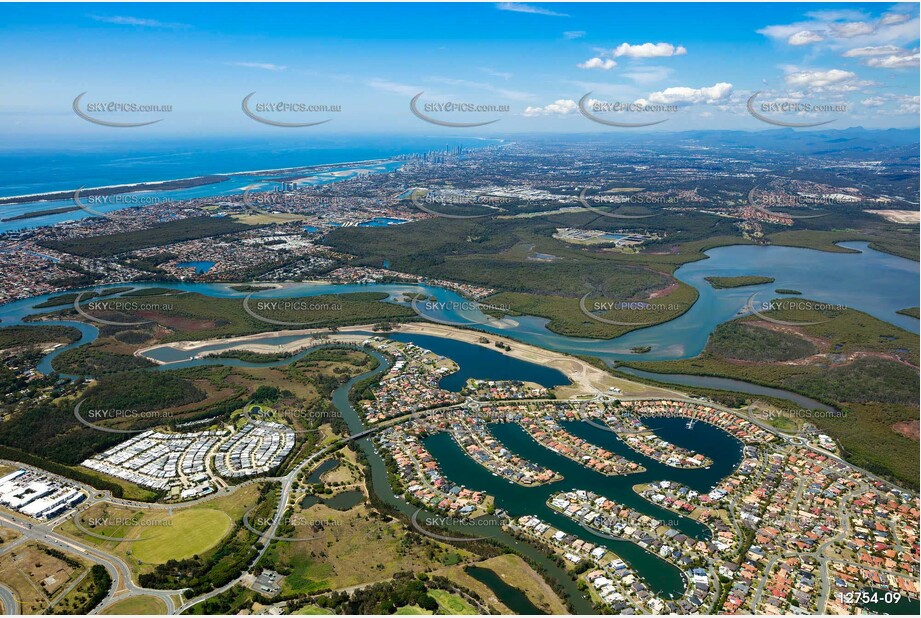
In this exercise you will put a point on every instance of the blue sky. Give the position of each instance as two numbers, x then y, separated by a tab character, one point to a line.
699	63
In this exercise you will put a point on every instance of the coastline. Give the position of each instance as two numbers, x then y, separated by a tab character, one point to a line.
151	185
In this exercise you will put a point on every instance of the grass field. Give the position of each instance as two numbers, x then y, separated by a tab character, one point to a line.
192	532
141	605
451	603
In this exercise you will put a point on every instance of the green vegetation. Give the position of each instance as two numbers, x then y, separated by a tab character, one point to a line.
720	283
913	312
87	594
253	357
864	367
747	342
155	236
191	316
93	360
14	336
68	299
787	291
191	532
139	605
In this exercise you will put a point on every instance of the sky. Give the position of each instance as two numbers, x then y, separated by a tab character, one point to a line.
684	66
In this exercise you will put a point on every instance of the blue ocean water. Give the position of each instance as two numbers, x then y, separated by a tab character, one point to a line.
26	170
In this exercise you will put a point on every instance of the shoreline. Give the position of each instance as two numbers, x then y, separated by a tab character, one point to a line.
150	185
586	380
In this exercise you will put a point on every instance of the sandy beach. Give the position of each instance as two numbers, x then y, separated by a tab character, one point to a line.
587	380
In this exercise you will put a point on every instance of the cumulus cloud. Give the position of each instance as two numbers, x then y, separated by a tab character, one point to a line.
716	93
908	104
560	107
805	37
844	29
604	64
649	50
873	102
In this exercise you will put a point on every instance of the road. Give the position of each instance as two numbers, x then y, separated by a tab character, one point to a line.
122	586
9	601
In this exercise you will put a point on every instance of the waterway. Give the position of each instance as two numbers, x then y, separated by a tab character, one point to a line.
876	283
381	487
514	599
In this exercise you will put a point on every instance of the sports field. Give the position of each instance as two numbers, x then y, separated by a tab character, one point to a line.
193	532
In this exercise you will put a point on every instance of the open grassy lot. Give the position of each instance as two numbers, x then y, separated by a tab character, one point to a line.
139	605
39	574
186	531
192	532
516	573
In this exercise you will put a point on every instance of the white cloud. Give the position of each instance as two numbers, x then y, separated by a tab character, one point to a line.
873	102
909	104
894	18
520	7
878	50
649	50
805	37
604	64
851	29
845	29
268	66
682	94
905	60
573	34
124	20
819	79
560	107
